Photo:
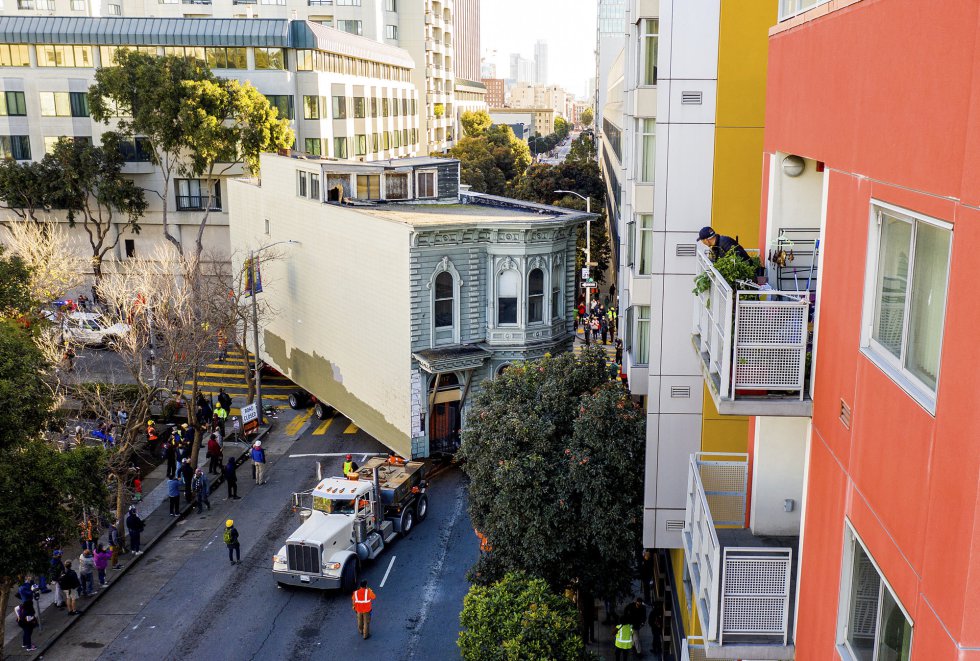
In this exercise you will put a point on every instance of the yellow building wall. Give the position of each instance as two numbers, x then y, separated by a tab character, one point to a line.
722	433
689	614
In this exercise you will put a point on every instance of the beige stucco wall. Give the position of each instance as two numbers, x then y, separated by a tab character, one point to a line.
341	321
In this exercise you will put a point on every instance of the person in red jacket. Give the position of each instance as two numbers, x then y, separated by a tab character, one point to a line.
214	454
361	601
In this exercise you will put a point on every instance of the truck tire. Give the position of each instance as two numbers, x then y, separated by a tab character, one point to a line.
321	411
349	576
421	508
298	399
406	522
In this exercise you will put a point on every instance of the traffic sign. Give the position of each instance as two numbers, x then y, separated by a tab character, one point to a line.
250	418
585	273
588	285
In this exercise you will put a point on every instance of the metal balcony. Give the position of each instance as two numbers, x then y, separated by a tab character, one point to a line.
753	346
692	649
742	584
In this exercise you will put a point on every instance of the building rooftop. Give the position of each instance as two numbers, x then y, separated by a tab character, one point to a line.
420	215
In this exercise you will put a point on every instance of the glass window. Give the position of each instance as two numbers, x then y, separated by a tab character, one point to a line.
301	185
425	184
283	103
55	104
304	60
340	107
910	284
359	107
630	243
270	58
386	140
192	195
354	27
13	104
556	278
508	288
115	10
14	55
314	186
396	186
79	104
311	107
374	107
535	296
391	5
374	143
648	149
649	37
391	32
360	145
443	311
645	228
50	142
136	150
313	146
641	349
384	107
340	147
369	186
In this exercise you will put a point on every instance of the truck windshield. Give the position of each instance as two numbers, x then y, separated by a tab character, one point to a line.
333	505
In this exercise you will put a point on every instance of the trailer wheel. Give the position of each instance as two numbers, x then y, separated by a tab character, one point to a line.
298	399
348	577
321	411
407	522
421	508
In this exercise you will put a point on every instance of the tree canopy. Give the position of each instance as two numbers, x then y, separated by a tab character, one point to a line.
15	291
475	122
587	117
517	619
492	162
554	451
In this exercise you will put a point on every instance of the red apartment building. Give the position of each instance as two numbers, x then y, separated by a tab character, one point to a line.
871	219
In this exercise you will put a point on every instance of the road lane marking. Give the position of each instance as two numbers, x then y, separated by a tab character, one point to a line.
139	623
390	565
333	454
297	423
351	429
322	429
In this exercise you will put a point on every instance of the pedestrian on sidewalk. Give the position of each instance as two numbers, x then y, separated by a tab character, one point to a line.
220	416
222	345
647	566
170	454
27	621
70	583
188	433
656	622
623	641
137	488
231	541
619	351
231	479
102	558
55	572
362	601
214	454
86	572
225	400
186	476
635	614
114	545
202	489
173	494
134	525
595	328
258	461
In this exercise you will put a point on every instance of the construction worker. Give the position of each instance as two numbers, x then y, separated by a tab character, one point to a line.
151	432
349	466
394	459
221	415
361	602
624	640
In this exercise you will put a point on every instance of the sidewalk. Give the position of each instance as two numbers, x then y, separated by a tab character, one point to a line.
605	635
155	512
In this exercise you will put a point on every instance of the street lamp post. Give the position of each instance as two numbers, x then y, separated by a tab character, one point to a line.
255	323
588	245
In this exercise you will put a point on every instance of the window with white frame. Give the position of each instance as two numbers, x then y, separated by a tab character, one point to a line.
648	150
649	38
535	296
556	291
425	184
508	291
314	186
396	186
301	184
641	335
872	624
443	300
905	306
644	229
391	32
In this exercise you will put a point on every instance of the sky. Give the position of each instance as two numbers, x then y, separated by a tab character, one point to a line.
512	26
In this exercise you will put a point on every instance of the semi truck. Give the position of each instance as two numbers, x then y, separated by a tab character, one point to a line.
350	520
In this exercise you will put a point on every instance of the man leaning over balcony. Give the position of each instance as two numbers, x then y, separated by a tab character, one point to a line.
719	244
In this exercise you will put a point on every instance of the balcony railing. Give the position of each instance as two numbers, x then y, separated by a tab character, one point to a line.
791	8
742	592
753	345
692	649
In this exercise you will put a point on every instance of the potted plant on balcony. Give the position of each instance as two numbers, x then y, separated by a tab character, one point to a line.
732	268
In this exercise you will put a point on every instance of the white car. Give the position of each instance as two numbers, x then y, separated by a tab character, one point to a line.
89	329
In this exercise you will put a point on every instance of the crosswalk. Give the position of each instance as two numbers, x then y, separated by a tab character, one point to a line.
297	423
230	375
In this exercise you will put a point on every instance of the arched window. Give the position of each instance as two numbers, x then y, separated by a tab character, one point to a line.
556	291
508	289
535	296
443	301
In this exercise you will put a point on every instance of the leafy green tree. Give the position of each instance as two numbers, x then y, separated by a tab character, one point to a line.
562	128
554	452
96	194
493	162
26	398
582	149
15	292
519	619
475	122
587	117
26	189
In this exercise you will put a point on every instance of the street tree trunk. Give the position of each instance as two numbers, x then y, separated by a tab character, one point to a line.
121	507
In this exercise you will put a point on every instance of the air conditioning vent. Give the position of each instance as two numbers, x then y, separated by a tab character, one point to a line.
680	391
690	98
675	525
845	414
686	250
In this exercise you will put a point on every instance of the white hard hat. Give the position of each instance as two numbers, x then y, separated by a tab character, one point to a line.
258	444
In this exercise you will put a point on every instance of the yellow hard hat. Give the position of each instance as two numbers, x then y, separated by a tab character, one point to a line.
229	523
149	422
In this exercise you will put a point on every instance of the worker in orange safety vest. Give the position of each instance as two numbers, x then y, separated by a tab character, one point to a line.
362	600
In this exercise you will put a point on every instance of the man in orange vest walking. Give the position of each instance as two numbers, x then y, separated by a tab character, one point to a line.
362	600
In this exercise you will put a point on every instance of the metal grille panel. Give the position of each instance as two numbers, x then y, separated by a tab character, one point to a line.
770	368
764	322
756	587
724	484
304	558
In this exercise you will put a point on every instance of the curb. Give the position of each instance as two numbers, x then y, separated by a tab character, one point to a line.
242	458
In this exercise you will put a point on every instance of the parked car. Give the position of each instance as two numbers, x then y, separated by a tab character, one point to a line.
91	330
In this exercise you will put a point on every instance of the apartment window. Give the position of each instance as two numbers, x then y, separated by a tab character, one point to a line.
340	107
374	107
872	623
391	5
405	107
115	10
51	55
136	150
354	27
130	248
535	296
556	278
369	186
190	52
78	5
374	143
79	104
226	58
55	104
314	187
630	243
391	32
360	145
50	142
270	58
404	137
790	8
14	55
384	107
645	242
508	288
443	303
283	103
641	347
910	258
396	187
192	195
649	36
108	53
13	104
615	137
648	149
311	107
340	147
313	146
359	107
301	186
396	139
386	140
425	184
347	3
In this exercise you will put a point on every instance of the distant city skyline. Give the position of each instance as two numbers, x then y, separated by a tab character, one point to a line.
568	27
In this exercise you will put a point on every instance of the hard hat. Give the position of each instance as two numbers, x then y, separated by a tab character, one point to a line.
184	426
229	523
258	444
149	422
348	457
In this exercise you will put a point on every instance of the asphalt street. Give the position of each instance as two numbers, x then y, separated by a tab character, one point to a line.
188	602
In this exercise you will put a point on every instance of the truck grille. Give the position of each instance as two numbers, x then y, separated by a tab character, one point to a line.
300	557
